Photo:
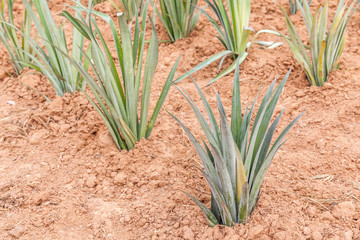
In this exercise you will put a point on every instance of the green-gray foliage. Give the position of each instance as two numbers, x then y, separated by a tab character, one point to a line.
326	47
233	32
117	96
178	17
52	63
18	47
130	7
234	161
294	7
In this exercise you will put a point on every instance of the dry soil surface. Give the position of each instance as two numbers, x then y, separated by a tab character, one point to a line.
61	176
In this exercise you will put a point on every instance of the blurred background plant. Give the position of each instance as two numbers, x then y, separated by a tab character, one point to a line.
17	45
119	96
234	164
95	2
325	47
178	17
129	7
234	33
293	6
52	63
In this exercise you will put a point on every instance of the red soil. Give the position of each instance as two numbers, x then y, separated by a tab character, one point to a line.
61	176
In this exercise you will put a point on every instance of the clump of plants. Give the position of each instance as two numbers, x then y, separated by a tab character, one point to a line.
234	33
326	46
52	62
18	47
117	96
236	155
178	17
293	6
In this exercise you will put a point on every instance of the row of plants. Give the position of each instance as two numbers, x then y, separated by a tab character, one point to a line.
326	45
179	18
235	156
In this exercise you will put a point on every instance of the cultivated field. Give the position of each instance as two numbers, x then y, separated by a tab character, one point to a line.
63	177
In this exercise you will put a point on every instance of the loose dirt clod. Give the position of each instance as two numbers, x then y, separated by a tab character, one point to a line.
3	74
120	178
17	231
311	211
316	236
256	231
344	210
91	181
327	216
40	198
280	236
306	231
349	235
188	233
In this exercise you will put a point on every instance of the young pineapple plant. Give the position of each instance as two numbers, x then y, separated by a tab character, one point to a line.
117	96
234	161
130	7
326	47
234	34
17	45
178	17
52	62
293	6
